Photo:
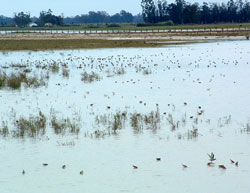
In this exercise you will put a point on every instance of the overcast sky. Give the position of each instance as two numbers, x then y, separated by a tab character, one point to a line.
75	7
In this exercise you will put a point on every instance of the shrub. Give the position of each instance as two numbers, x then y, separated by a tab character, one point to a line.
164	23
113	25
32	127
15	81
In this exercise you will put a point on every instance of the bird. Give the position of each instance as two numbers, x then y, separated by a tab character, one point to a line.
210	164
158	159
184	166
64	166
232	161
211	157
81	172
236	164
222	167
135	167
45	164
23	172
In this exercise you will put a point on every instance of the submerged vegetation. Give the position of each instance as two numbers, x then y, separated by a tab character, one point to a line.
36	126
65	72
61	126
90	77
15	80
32	127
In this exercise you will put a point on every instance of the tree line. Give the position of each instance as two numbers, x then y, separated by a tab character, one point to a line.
22	19
182	12
104	17
153	11
46	17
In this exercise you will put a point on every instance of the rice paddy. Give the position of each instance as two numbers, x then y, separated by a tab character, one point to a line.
167	119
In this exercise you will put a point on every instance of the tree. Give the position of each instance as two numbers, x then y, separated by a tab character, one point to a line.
232	11
98	17
148	11
246	12
205	13
191	13
22	19
215	13
5	20
180	4
126	17
48	17
162	11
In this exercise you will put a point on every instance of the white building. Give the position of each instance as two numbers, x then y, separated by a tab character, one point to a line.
48	24
32	24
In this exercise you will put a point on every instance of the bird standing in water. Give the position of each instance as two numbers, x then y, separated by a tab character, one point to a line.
222	167
184	166
135	167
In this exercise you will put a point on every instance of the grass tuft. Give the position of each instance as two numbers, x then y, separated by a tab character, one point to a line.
90	77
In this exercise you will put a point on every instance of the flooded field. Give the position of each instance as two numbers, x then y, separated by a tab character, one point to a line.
171	119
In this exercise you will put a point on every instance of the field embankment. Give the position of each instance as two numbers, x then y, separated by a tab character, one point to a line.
45	41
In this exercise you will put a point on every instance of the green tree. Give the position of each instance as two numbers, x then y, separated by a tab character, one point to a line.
48	17
232	11
148	11
191	13
22	19
205	13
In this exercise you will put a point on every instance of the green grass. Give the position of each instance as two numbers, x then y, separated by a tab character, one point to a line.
71	44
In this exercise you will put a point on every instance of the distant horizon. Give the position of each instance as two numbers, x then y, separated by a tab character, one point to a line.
77	7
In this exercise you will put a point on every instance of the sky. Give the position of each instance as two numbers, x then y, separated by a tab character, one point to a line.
75	7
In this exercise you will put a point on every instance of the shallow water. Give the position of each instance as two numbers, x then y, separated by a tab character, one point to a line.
214	76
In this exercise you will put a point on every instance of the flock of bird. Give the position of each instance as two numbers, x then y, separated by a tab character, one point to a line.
212	159
63	167
209	164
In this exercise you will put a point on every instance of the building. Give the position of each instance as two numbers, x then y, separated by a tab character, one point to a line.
32	24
